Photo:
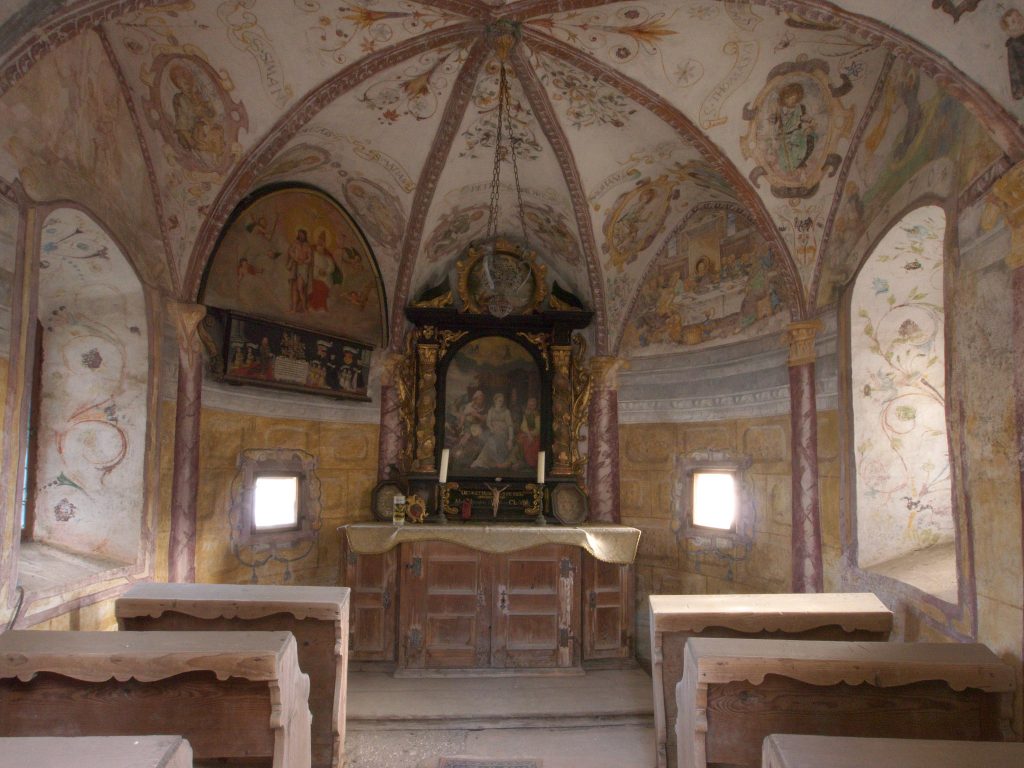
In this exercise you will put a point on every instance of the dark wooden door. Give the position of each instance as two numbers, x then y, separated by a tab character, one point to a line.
445	606
608	610
536	612
372	618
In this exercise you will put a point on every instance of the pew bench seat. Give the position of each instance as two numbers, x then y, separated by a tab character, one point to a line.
231	694
676	618
795	751
95	752
317	616
736	692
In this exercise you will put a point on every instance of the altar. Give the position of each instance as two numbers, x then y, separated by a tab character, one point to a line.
490	597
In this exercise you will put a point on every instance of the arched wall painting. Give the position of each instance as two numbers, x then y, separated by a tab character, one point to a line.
493	406
716	281
295	256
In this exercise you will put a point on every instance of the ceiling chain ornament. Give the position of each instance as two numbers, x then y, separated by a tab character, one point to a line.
502	279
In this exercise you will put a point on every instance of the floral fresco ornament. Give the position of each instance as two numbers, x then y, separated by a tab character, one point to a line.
796	123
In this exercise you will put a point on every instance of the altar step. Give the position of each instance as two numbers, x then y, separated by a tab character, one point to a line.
378	701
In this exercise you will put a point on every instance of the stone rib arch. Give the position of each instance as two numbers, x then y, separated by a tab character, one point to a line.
556	137
669	114
455	109
247	171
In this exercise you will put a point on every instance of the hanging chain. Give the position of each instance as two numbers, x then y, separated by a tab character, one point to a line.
492	214
504	124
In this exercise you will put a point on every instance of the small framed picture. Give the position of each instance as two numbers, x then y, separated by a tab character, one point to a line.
569	504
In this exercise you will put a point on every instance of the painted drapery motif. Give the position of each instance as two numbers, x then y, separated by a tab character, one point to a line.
897	344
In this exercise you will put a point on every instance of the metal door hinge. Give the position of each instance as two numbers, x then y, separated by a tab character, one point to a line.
416	566
563	638
567	568
592	600
385	600
415	639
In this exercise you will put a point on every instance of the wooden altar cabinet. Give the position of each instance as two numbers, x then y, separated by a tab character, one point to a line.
490	597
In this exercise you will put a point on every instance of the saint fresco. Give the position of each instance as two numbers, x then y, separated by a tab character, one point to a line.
295	255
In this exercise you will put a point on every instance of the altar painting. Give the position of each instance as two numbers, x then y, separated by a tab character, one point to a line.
295	255
493	405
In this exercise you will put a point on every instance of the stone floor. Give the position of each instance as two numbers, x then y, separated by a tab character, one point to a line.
599	720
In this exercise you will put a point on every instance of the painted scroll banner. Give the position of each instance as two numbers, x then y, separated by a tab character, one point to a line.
746	54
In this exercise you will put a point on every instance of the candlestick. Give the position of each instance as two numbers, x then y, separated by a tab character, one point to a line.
540	467
443	475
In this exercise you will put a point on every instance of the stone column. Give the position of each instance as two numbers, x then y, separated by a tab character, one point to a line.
603	440
807	572
181	554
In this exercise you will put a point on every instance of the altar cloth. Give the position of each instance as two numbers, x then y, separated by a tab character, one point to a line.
608	543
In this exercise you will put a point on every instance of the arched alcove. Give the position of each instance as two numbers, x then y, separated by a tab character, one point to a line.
85	495
905	525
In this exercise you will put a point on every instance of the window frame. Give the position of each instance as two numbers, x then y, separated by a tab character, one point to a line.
275	464
713	462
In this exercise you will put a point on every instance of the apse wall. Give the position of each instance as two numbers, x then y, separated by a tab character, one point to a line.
340	439
731	400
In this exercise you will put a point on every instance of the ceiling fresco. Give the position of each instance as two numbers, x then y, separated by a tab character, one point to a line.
785	128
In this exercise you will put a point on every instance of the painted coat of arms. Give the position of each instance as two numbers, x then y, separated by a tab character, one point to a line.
796	123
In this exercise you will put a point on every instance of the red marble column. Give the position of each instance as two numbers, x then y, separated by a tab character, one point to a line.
181	552
389	451
603	441
808	575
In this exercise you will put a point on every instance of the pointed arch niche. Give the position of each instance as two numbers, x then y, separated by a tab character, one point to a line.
901	480
84	452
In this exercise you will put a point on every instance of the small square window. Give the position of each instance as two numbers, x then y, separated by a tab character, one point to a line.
275	502
714	500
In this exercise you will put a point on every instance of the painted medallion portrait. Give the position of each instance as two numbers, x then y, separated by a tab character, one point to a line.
296	256
796	123
190	106
493	410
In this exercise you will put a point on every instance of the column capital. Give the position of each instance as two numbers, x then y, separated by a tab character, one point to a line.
1008	195
605	370
186	318
800	337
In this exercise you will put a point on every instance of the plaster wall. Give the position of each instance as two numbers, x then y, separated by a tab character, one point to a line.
346	457
982	348
668	561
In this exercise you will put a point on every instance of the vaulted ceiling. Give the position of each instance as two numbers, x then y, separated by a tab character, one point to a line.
644	129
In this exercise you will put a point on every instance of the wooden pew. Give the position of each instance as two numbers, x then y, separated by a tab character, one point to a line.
791	751
317	616
231	694
736	692
675	618
95	752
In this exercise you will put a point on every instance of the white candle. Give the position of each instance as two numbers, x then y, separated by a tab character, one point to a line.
540	467
443	475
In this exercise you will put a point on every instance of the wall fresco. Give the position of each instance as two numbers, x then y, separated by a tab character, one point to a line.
66	133
93	410
897	340
715	281
294	256
377	210
915	123
796	123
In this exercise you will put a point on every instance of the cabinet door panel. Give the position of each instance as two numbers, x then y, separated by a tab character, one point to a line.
536	608
445	616
608	597
372	616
